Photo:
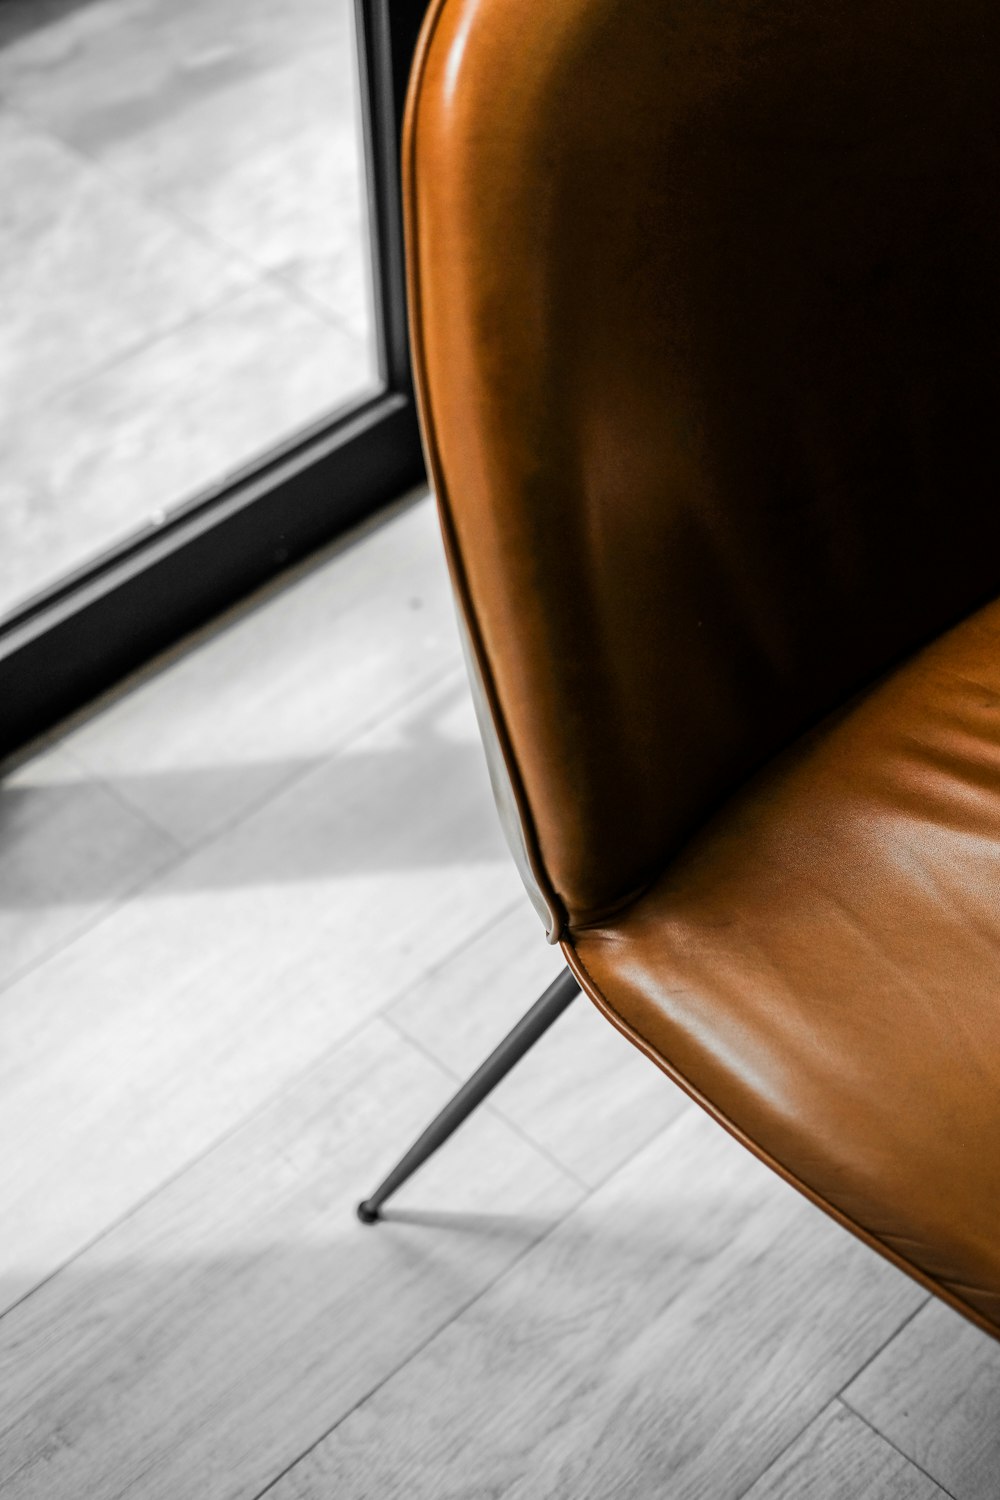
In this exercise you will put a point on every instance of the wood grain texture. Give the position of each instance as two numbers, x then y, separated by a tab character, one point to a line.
204	1061
69	851
934	1392
671	1337
838	1456
259	704
198	1348
131	1051
583	1093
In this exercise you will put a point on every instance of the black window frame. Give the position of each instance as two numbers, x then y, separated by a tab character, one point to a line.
96	626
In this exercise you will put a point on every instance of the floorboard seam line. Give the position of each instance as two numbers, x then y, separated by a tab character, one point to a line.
895	1447
472	936
219	625
424	1344
296	778
454	672
816	1416
88	924
686	1109
193	1161
491	1109
183	852
499	1113
257	1110
482	1292
881	1348
113	791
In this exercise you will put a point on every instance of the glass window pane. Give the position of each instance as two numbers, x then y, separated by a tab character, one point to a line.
183	257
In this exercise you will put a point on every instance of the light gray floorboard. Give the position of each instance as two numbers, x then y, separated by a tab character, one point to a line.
259	704
839	1457
670	1337
195	1082
69	851
198	1348
935	1393
130	1051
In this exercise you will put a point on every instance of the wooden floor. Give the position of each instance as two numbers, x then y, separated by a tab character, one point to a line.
257	920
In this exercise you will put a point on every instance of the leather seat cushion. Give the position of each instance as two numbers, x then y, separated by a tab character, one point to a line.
821	966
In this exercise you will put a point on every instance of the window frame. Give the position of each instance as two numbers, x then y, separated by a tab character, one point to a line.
93	627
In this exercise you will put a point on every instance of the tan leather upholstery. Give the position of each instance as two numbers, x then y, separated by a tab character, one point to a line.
706	314
822	962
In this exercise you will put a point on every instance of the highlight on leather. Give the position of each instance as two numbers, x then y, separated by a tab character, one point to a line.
705	306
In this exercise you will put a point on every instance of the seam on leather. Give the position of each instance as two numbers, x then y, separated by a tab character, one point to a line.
939	1288
554	903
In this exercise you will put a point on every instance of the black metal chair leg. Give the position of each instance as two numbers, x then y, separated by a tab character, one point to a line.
499	1063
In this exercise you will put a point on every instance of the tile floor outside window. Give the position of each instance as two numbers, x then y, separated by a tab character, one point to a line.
184	278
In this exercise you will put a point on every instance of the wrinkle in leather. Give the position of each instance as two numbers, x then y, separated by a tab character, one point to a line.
707	308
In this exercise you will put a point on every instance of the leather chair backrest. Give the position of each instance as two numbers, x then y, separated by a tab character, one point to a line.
706	313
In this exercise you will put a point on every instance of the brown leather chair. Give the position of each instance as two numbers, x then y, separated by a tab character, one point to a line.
706	321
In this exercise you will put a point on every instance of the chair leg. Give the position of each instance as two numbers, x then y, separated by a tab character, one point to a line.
499	1063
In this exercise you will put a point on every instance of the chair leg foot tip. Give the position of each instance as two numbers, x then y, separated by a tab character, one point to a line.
368	1215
